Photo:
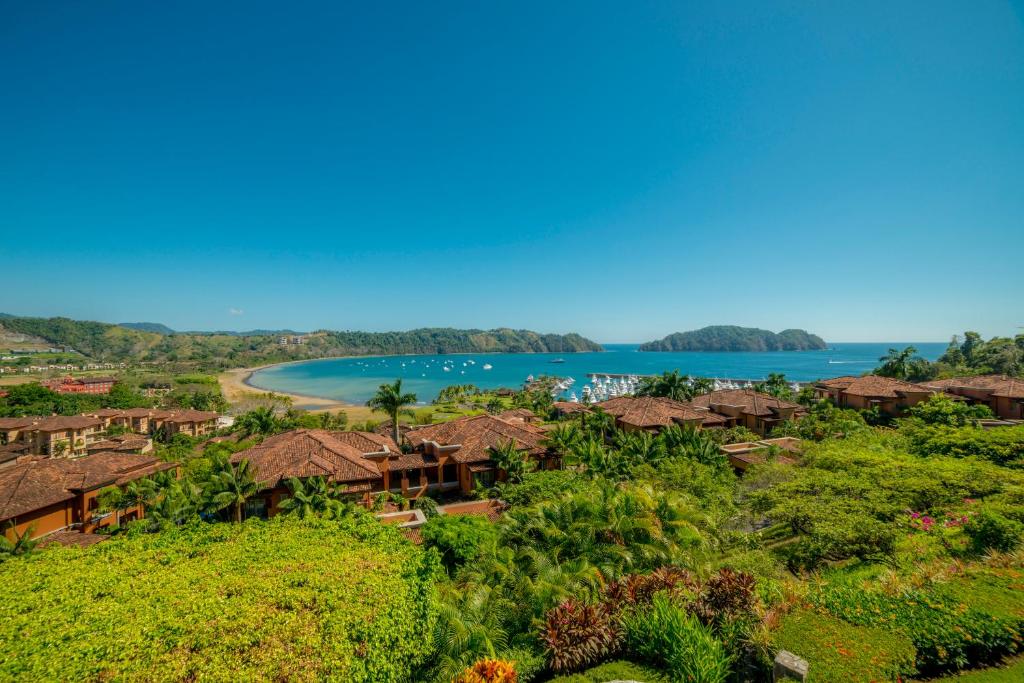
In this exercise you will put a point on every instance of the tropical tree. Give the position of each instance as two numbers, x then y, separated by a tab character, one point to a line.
702	385
258	422
668	385
563	438
231	486
21	544
775	385
390	399
312	496
905	364
508	457
598	422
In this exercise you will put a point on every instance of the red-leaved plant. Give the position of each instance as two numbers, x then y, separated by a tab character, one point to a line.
577	635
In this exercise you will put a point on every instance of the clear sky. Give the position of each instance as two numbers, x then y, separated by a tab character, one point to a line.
624	170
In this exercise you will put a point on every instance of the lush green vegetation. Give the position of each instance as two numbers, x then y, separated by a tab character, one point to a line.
841	651
106	342
35	399
970	356
733	338
288	599
614	671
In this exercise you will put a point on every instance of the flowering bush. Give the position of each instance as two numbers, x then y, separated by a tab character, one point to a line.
489	671
989	530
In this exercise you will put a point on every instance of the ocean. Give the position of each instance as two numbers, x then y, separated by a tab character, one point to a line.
354	380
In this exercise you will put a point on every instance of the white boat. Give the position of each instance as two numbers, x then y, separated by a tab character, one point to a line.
447	369
529	378
487	366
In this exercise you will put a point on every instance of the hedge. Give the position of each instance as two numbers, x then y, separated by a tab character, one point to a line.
840	651
286	599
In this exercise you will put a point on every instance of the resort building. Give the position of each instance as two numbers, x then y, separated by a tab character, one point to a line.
123	443
1003	394
80	385
783	451
567	408
50	495
191	422
652	414
754	410
350	459
12	427
892	396
62	435
459	451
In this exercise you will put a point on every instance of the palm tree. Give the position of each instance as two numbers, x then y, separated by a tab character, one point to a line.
669	385
563	438
507	456
21	544
258	422
390	399
701	386
897	363
599	422
233	486
312	496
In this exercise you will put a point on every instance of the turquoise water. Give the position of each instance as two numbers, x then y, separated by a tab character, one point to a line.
354	380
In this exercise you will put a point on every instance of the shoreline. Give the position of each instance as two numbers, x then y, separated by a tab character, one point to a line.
237	388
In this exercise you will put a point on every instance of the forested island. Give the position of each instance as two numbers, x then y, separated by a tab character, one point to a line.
734	338
118	343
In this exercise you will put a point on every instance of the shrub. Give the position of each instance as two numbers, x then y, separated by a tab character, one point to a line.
639	589
940	409
666	634
1003	446
578	635
840	651
428	505
458	538
286	599
537	487
614	671
947	634
489	671
725	595
989	530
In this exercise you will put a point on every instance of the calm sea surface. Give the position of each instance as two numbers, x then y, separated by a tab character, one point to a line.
354	380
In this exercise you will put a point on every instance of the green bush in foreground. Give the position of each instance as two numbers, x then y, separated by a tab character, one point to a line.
614	671
458	538
287	599
839	651
667	634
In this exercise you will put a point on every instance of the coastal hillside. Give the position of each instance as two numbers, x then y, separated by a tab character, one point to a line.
117	343
734	338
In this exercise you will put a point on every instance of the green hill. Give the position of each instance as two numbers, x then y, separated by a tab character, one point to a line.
118	343
733	338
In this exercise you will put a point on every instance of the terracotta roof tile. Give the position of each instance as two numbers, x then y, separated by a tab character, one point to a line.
307	453
60	422
873	386
752	402
41	482
650	411
999	385
479	433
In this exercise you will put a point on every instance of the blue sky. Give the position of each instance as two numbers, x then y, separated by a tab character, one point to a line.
624	170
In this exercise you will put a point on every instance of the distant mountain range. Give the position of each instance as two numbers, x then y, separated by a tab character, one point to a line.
157	343
733	338
160	328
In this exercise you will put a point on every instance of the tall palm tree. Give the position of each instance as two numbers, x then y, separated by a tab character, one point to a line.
507	456
563	438
390	399
701	386
233	486
669	385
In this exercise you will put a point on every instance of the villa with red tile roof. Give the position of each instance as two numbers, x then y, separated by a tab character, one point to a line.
1003	394
892	396
754	410
54	494
349	459
652	414
80	385
459	452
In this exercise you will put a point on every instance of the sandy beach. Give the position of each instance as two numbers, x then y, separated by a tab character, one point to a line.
233	384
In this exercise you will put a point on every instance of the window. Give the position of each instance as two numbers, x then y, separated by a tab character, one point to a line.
414	478
256	507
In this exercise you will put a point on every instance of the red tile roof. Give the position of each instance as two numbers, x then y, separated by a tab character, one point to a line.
567	407
304	453
476	434
185	416
650	411
40	482
873	386
368	442
999	385
752	402
17	422
61	422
